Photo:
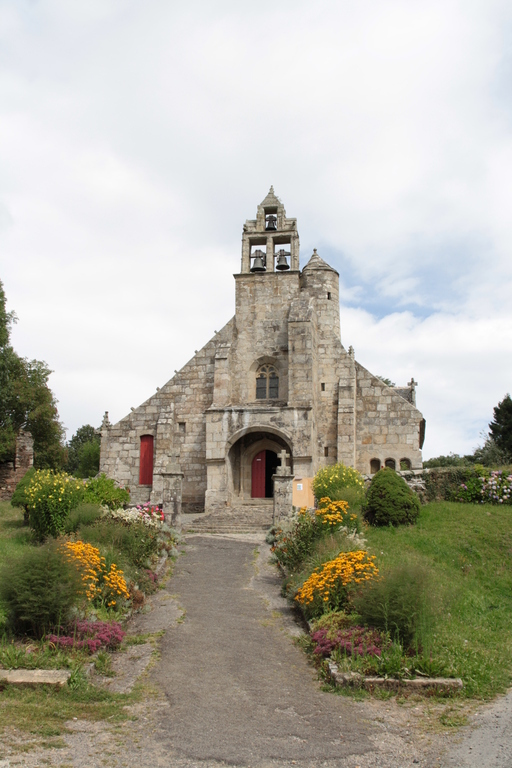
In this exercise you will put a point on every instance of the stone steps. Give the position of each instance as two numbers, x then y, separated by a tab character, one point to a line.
227	529
247	519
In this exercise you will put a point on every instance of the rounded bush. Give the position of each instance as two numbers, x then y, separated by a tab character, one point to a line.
390	501
39	590
339	482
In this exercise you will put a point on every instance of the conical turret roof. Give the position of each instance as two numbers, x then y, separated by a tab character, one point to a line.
316	262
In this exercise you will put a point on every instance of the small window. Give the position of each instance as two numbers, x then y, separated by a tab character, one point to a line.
405	464
267	383
322	386
374	466
182	426
326	450
390	463
328	295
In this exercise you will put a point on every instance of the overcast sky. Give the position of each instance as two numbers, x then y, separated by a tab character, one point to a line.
136	139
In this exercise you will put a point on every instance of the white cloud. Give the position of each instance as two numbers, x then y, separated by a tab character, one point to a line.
136	139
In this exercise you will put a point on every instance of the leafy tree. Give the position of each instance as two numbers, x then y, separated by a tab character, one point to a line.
500	428
84	452
387	381
452	460
26	401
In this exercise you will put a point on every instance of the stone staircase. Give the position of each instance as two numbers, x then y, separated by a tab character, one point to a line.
245	518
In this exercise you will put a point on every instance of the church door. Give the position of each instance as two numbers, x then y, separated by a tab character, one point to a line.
264	465
258	476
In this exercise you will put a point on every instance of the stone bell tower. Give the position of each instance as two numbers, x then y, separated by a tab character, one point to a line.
270	242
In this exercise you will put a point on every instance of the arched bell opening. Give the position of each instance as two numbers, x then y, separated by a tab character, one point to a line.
252	461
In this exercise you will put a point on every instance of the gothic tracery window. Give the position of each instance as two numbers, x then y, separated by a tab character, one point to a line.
267	383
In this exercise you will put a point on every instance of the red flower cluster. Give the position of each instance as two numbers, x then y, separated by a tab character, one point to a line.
353	641
90	636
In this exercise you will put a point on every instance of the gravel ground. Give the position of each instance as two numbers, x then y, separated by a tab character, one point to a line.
231	688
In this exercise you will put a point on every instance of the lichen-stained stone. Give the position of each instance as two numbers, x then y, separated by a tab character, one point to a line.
275	378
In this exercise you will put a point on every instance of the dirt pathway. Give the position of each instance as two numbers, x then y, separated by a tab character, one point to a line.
230	687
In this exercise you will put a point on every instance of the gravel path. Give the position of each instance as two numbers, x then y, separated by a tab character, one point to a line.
231	688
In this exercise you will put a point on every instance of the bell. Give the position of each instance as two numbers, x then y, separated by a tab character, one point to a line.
282	262
258	264
271	222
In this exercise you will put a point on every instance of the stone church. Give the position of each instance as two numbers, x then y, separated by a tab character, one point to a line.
274	392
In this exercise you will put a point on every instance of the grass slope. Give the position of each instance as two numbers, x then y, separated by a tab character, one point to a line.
468	548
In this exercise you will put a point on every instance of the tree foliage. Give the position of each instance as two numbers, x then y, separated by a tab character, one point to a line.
26	401
84	452
500	428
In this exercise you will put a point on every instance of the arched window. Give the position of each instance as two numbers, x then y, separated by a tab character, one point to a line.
267	383
390	463
405	464
146	460
374	466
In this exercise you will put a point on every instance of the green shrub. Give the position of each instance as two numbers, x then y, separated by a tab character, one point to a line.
389	500
399	603
293	542
51	496
334	481
333	621
443	484
39	590
82	516
103	490
89	460
19	497
137	542
353	495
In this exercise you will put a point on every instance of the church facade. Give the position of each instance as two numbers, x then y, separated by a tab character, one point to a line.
275	378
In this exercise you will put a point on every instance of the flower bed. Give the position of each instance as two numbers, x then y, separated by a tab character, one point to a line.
327	587
90	636
151	515
493	488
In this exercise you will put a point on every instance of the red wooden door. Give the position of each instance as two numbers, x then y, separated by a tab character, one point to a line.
146	460
258	476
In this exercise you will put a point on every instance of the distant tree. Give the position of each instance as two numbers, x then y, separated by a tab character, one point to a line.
500	428
26	401
387	381
490	454
84	452
452	460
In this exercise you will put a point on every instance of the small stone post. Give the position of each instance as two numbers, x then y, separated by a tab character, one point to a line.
283	489
167	484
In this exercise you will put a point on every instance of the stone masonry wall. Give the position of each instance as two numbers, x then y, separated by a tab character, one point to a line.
12	472
387	425
175	418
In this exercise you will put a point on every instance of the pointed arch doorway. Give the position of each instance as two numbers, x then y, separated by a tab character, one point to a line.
263	466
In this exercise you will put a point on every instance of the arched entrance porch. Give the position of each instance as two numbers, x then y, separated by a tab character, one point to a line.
252	460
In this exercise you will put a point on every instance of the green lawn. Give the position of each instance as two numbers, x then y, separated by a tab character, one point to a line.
468	548
13	534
